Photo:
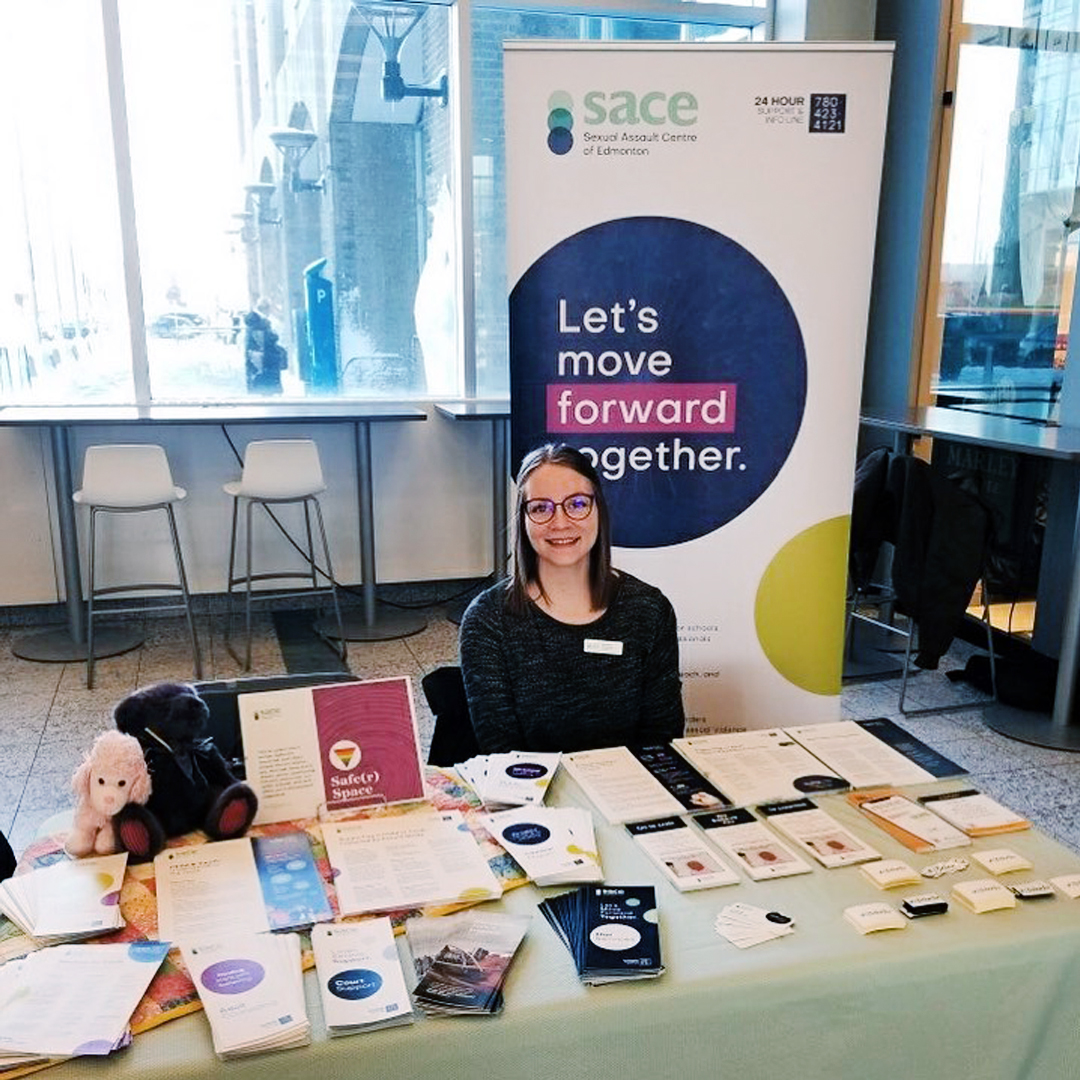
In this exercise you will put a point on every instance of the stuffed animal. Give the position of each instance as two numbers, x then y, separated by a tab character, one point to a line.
193	786
113	774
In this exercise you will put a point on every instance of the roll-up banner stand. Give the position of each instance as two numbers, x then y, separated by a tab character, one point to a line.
690	232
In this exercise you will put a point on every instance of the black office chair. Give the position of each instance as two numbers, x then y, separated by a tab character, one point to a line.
7	859
453	739
220	697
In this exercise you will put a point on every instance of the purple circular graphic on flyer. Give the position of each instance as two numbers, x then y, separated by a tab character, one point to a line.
233	976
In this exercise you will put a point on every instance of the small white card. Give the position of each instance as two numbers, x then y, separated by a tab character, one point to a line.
745	925
890	873
983	894
1069	884
1001	860
870	918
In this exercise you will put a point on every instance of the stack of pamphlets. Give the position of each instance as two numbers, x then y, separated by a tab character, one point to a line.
759	851
818	833
68	900
252	990
462	960
637	783
612	931
758	766
681	854
71	1000
360	978
553	845
407	861
974	813
904	819
516	778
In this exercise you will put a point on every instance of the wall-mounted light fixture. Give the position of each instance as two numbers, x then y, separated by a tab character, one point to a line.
294	145
392	24
261	194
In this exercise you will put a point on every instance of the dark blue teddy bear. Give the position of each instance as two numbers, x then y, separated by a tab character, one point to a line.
192	784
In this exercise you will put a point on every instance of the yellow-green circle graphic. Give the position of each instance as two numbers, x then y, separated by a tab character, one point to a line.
799	608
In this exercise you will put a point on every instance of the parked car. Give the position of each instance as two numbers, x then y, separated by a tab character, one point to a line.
177	324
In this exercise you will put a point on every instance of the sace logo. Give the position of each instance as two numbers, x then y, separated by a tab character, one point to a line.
655	107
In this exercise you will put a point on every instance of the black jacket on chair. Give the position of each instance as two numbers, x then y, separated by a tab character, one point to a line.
940	534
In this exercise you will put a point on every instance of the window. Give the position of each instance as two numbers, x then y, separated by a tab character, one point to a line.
286	199
1009	236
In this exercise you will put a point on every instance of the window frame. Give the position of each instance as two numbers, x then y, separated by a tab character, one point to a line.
461	13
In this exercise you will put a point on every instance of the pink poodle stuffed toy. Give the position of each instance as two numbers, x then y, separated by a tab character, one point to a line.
112	775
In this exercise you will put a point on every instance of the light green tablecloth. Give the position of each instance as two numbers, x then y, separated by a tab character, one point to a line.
961	996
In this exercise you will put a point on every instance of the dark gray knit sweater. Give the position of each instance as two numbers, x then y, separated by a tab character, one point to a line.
535	683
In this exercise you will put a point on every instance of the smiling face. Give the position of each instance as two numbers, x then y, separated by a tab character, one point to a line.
560	542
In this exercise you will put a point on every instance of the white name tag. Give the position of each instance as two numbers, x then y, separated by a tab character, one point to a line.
607	648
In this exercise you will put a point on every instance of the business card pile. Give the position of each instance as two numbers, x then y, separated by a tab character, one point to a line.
612	931
745	925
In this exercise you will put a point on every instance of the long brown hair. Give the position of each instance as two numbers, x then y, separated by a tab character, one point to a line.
526	562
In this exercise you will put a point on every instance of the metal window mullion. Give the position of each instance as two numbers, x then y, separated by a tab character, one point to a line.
461	62
125	190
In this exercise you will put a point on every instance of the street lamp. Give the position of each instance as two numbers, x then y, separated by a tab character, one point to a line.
294	145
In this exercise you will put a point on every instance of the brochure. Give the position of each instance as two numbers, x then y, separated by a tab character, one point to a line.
70	1000
292	888
361	982
612	931
206	892
619	786
758	766
758	850
252	990
407	861
681	854
553	845
818	833
516	778
462	961
858	755
974	813
315	750
891	733
68	900
904	819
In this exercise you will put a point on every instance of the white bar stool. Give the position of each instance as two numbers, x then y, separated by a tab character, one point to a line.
131	479
276	472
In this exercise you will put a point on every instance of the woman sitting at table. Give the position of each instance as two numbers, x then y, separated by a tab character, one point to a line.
569	654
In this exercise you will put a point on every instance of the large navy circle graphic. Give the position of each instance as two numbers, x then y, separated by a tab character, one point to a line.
723	320
355	984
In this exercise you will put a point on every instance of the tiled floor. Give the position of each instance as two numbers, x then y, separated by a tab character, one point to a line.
49	718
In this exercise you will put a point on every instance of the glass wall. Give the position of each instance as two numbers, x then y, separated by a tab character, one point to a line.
289	169
1010	233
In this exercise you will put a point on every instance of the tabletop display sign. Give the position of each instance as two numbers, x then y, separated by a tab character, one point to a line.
311	750
690	245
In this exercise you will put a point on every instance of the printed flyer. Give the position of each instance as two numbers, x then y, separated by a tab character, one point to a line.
690	232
